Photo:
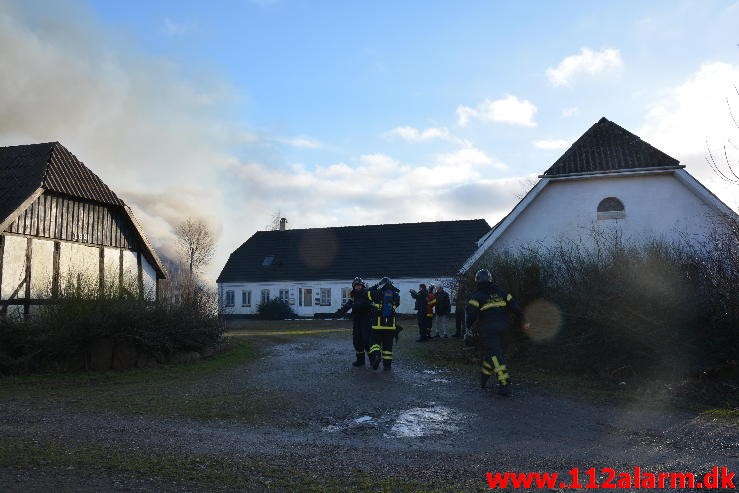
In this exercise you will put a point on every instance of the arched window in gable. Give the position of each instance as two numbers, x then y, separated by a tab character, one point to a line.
611	208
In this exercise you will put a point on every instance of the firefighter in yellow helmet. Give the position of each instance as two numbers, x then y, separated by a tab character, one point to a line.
385	301
490	305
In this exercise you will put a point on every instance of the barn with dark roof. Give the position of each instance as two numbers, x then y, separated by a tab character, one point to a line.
61	226
609	180
312	269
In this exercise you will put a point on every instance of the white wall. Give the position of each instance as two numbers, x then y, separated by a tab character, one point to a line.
656	206
78	261
74	259
14	266
406	301
111	266
42	268
150	279
130	270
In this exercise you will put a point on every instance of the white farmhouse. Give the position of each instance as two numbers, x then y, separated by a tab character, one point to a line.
608	180
312	269
60	224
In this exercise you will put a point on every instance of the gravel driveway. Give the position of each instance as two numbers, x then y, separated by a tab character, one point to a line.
420	425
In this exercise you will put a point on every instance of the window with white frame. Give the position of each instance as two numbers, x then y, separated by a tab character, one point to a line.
345	294
265	296
611	208
245	298
285	295
325	296
229	298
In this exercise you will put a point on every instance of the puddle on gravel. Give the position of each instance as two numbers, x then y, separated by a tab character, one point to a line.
411	423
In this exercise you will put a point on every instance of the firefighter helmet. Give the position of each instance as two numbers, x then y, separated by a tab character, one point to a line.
483	276
357	280
384	282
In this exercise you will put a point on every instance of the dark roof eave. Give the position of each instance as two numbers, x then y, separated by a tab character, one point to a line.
615	171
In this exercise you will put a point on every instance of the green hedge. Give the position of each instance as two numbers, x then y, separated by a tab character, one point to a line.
57	333
275	309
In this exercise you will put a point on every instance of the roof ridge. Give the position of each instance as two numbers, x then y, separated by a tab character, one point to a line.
46	164
370	225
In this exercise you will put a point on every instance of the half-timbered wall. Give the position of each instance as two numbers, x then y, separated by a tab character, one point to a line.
60	243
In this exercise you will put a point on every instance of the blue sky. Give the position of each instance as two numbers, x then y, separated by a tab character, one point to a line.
341	113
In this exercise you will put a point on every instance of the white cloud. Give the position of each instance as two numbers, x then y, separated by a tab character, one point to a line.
411	134
568	112
509	110
552	144
299	142
586	62
414	135
378	189
179	28
693	116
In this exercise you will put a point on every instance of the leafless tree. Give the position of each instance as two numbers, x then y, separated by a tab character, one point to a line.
274	223
724	166
196	244
526	185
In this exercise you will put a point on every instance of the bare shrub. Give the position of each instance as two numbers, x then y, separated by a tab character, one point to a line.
670	308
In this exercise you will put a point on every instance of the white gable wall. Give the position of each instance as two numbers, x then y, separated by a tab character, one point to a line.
655	205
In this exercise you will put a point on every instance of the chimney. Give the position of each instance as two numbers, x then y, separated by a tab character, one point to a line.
283	222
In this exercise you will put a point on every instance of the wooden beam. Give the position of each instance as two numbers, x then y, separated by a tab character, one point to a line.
55	276
2	253
140	269
101	272
29	252
120	271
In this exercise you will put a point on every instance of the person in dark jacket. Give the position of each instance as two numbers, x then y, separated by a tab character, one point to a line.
459	309
443	308
360	304
491	305
385	300
421	298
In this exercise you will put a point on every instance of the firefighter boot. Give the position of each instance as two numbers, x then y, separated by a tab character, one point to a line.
483	380
360	360
375	359
504	390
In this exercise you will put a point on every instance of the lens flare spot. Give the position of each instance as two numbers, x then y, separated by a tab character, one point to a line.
544	319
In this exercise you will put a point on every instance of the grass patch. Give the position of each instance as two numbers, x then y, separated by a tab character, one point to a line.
204	471
307	324
198	390
728	414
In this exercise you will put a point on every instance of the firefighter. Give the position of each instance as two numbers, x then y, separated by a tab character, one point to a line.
385	301
360	304
491	305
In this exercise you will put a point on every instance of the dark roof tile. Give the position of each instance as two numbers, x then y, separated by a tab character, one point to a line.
395	250
607	147
25	168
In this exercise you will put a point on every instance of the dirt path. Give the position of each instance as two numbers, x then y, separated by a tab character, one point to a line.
416	425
